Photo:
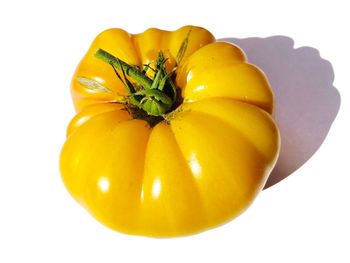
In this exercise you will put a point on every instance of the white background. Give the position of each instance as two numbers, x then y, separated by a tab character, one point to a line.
304	218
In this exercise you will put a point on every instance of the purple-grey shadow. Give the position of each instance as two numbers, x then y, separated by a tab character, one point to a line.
306	102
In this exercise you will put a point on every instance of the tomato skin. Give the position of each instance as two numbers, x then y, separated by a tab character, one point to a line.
137	49
200	167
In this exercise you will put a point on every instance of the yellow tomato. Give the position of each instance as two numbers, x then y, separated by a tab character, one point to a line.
195	167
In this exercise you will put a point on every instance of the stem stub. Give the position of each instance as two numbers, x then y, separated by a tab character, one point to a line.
155	96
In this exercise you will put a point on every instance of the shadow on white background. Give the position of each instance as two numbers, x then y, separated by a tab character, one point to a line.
306	103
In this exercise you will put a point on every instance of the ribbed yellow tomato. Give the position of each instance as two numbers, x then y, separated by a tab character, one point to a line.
197	166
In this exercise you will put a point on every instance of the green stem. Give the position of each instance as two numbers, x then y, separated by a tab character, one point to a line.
154	96
131	71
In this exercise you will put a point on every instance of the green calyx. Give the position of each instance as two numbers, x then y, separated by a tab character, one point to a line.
155	96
